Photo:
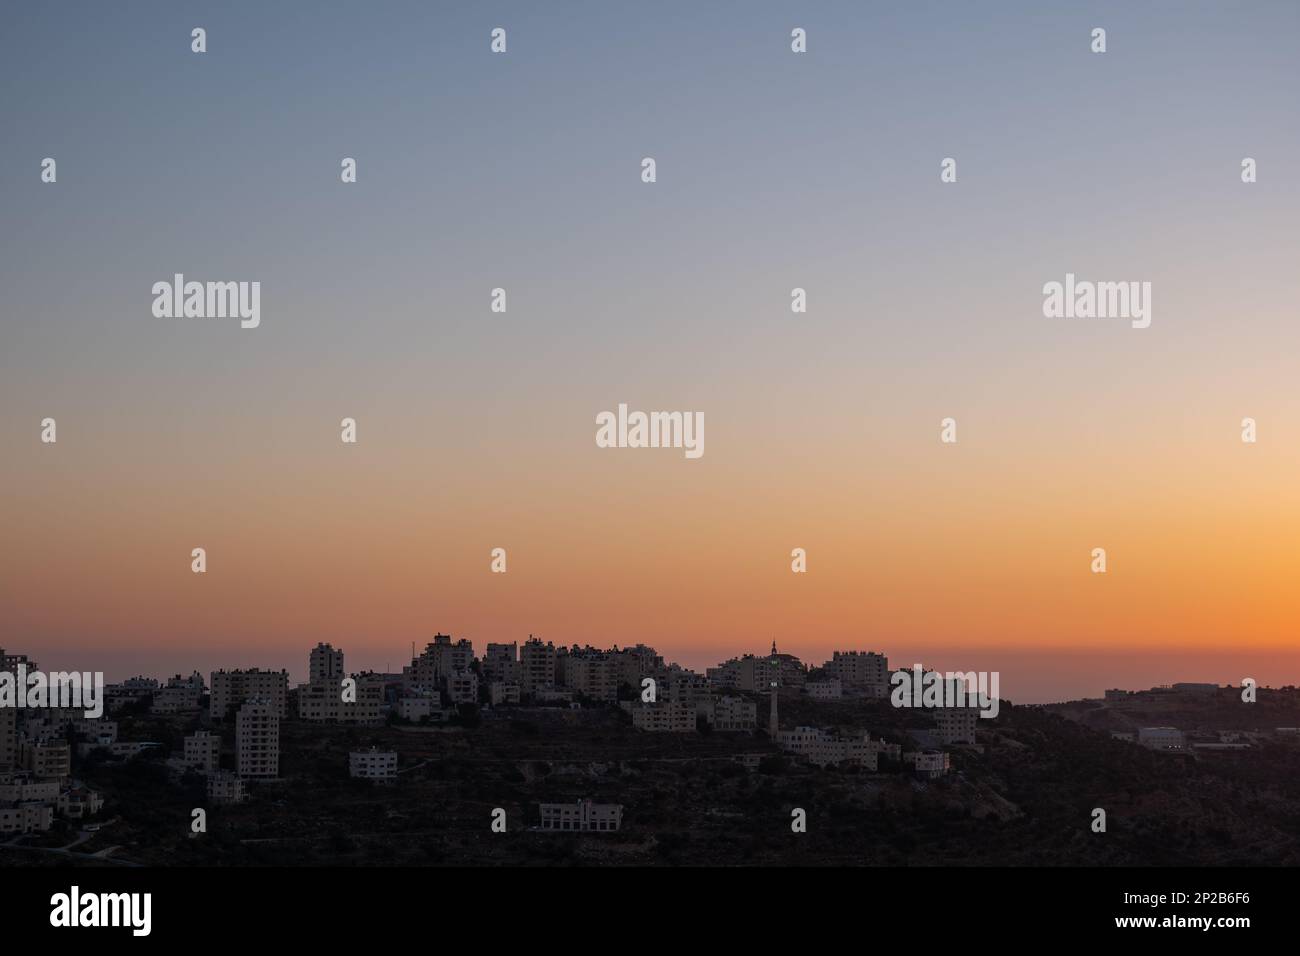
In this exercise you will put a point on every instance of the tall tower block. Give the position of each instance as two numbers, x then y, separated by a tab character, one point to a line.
771	720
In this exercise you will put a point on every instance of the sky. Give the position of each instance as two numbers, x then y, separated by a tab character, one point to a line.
476	429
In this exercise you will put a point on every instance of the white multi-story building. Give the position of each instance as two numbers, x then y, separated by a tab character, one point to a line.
51	726
8	738
633	664
501	663
1162	738
862	671
225	787
76	803
462	687
830	689
26	818
500	692
957	724
49	758
420	706
257	739
325	664
822	748
591	673
377	765
203	751
25	787
734	714
180	695
665	716
131	748
10	755
757	674
536	666
324	701
928	764
440	659
232	688
581	816
96	729
687	687
131	691
553	695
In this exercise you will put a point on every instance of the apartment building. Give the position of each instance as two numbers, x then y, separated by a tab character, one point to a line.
687	687
179	695
583	816
1162	738
421	706
48	758
501	663
324	663
324	701
462	687
203	751
957	724
133	690
831	689
823	748
26	817
537	664
377	765
751	673
862	671
77	803
927	764
665	716
225	787
230	689
731	714
591	673
24	787
440	658
8	738
632	664
257	739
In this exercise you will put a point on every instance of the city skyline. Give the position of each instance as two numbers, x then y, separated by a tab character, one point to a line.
530	739
1089	674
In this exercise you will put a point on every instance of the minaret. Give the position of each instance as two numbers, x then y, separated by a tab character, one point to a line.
771	720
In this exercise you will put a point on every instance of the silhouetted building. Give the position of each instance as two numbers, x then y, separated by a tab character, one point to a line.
864	671
325	664
232	688
373	764
536	666
203	751
582	816
257	740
